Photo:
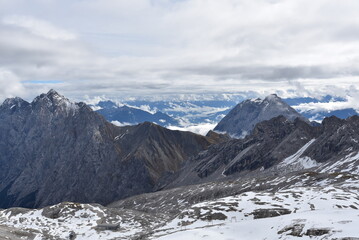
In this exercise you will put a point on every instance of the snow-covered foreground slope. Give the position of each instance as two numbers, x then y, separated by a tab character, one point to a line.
316	225
81	221
329	212
309	213
321	202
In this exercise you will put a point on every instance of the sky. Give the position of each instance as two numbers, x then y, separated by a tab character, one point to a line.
121	48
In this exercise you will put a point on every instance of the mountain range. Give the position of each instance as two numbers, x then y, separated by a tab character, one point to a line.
126	115
53	150
201	115
285	179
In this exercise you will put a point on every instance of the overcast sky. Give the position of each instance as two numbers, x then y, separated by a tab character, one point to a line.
163	47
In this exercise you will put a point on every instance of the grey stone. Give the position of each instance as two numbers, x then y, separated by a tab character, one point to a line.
273	212
317	231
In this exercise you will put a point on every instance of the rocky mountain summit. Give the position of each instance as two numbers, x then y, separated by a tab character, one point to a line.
53	150
242	118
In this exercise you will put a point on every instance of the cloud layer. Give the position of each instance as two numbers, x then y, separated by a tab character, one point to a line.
10	85
164	47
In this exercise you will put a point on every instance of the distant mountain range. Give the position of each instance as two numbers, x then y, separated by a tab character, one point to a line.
165	113
286	179
184	114
125	115
317	109
320	115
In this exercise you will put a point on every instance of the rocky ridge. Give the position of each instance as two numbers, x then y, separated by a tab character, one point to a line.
53	150
274	146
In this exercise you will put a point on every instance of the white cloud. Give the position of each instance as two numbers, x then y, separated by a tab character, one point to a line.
145	47
351	101
121	124
201	129
10	86
39	27
146	108
329	106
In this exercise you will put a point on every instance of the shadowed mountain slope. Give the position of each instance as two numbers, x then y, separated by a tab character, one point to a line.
274	147
53	150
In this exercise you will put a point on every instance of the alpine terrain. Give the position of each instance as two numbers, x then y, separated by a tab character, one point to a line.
88	179
53	150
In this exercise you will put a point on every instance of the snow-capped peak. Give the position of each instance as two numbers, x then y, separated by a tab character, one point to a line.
256	100
16	101
272	97
269	98
52	99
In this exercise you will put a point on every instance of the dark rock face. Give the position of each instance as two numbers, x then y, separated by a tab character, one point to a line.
161	150
272	141
130	115
293	230
218	137
242	118
53	150
340	137
266	213
317	231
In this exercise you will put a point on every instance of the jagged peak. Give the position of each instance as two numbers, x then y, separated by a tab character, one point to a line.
13	100
272	96
332	121
53	96
55	101
52	92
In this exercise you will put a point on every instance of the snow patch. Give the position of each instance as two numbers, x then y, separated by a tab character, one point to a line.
121	124
256	100
296	162
201	129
